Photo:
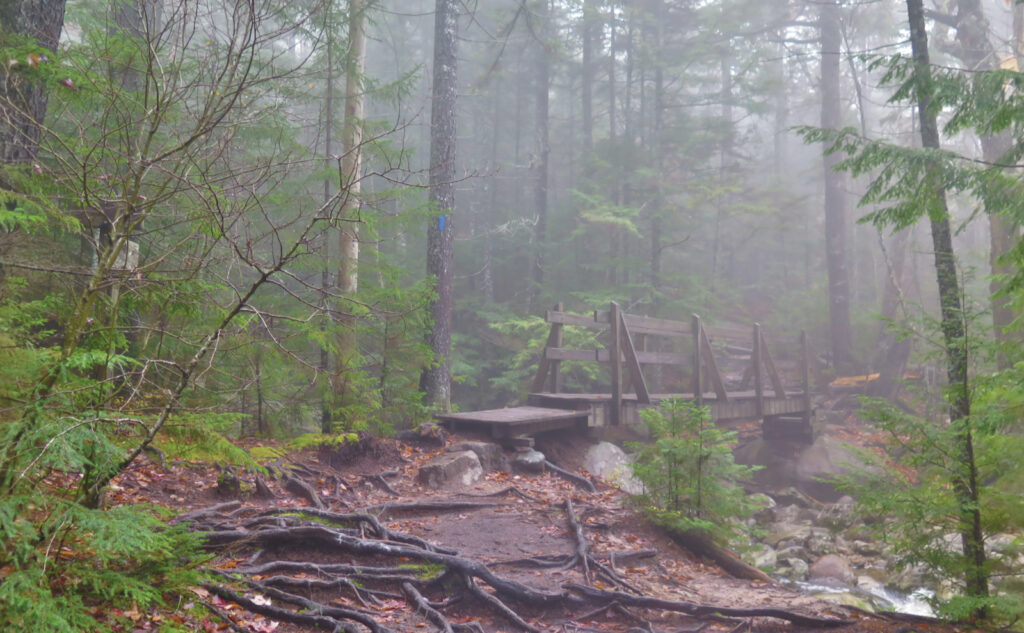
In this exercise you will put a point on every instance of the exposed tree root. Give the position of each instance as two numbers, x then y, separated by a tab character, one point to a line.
691	608
511	490
349	596
580	481
278	613
423	606
700	543
500	606
582	554
391	509
379	481
303	490
202	513
225	617
621	557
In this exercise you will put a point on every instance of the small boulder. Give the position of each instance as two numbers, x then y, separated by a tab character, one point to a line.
783	532
793	551
792	568
764	558
529	461
607	460
832	567
819	545
491	456
785	513
765	508
451	470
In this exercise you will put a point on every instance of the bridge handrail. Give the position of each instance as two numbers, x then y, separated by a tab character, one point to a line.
622	351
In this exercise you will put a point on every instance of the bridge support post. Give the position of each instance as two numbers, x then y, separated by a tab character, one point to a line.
698	377
755	360
615	351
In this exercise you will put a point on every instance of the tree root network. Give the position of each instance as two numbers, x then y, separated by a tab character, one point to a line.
389	567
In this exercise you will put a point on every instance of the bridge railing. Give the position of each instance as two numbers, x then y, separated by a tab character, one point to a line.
627	361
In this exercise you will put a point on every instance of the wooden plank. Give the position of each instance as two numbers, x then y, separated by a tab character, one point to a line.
728	332
636	373
565	318
651	325
712	367
773	374
602	356
616	358
639	324
591	355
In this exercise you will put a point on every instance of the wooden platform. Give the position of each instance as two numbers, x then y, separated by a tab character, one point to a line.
516	421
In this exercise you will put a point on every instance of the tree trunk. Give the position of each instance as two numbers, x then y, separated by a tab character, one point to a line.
437	379
965	484
587	79
22	102
348	237
658	141
543	79
324	365
978	53
835	212
891	353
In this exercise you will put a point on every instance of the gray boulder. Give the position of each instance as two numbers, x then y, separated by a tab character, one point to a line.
610	462
792	569
491	455
764	558
529	461
765	508
786	532
832	567
451	470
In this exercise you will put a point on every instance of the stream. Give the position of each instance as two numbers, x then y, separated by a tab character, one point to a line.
915	603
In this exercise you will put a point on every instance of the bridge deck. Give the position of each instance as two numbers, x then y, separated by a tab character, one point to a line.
555	411
739	405
515	421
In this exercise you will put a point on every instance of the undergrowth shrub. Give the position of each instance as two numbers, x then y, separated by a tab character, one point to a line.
65	562
691	481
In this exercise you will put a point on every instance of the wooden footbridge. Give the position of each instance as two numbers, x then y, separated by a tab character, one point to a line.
785	411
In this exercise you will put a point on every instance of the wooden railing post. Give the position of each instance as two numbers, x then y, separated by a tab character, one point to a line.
546	365
698	378
755	358
555	340
636	372
615	330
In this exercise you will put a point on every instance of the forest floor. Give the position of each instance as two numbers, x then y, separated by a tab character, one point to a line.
346	539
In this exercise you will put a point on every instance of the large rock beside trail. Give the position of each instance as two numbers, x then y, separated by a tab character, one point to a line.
610	462
832	568
451	470
806	468
491	455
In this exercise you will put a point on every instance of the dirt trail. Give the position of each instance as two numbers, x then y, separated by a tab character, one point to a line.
505	556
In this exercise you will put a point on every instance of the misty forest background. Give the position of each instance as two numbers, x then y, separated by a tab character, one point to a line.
224	219
265	214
